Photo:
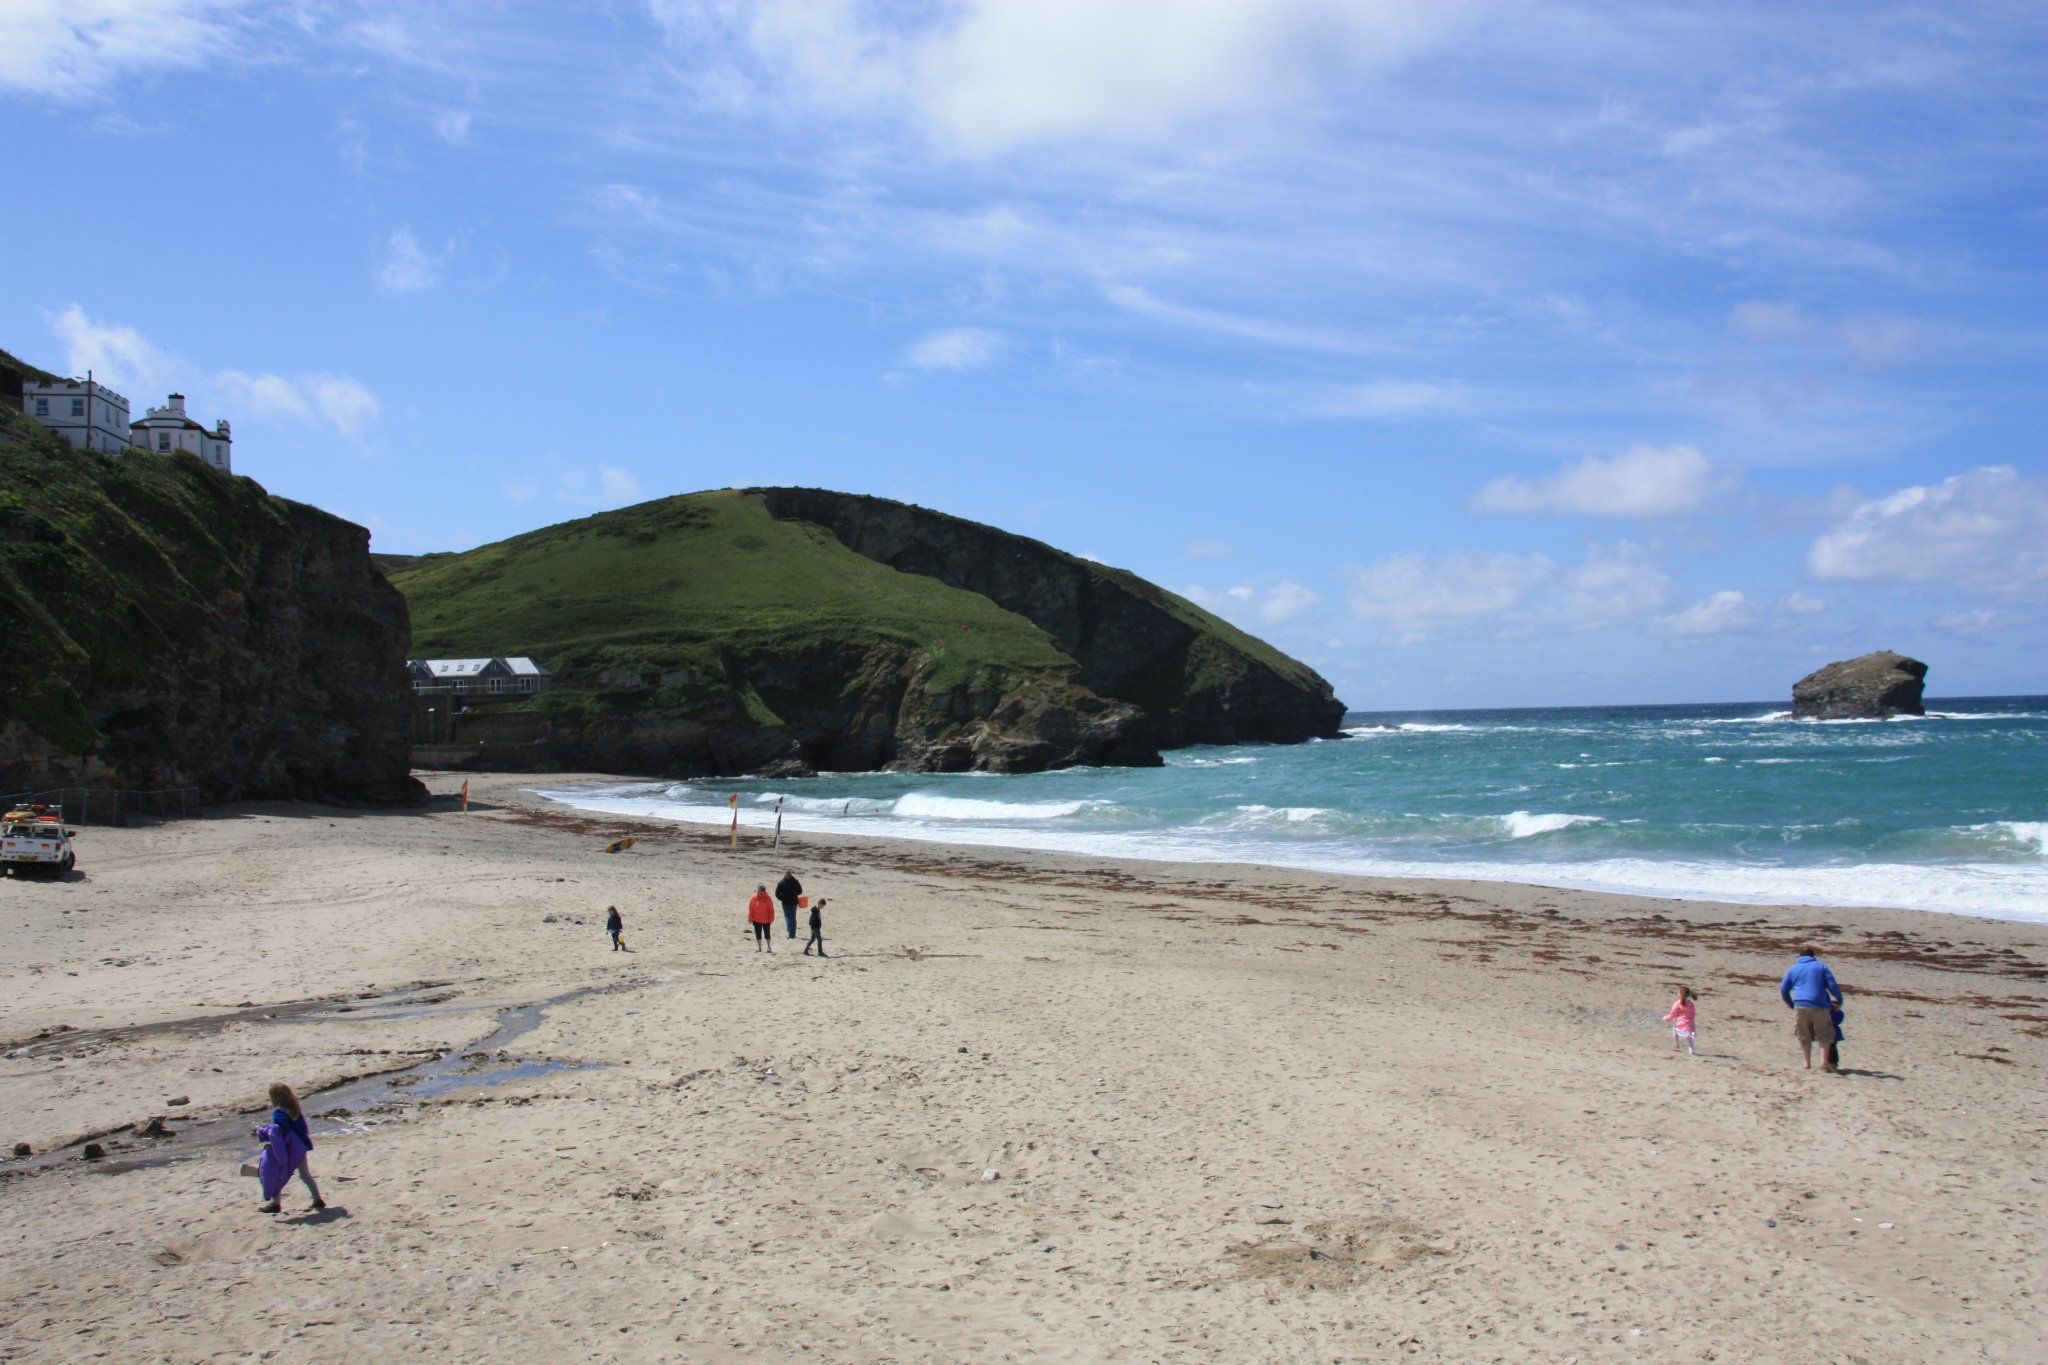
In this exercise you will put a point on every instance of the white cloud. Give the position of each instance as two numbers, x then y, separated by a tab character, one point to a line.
1281	602
1985	530
986	77
77	49
1975	621
407	267
1765	320
1609	587
1642	481
118	356
343	402
1799	604
957	348
1386	398
1880	343
1416	594
1262	604
609	487
451	126
124	359
1134	299
1510	596
1720	614
262	395
616	487
1207	547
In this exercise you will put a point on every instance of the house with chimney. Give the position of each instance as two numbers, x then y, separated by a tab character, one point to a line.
169	428
89	415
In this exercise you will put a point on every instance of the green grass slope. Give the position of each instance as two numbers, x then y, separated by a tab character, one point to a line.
693	580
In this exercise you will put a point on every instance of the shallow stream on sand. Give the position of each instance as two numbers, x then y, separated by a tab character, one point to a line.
353	1106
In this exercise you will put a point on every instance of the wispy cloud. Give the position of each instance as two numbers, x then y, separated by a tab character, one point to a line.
125	359
1983	531
956	348
407	267
1642	481
80	49
1723	613
1265	604
451	126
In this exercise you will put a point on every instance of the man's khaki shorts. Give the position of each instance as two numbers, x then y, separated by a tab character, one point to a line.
1813	1025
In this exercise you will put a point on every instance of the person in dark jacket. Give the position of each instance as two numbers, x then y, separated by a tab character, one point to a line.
787	891
817	938
1810	991
615	925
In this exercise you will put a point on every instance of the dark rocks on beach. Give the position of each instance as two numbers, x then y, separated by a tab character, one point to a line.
153	1128
93	1151
1873	687
23	1149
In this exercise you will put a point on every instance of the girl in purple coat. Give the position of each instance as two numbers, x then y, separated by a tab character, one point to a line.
286	1146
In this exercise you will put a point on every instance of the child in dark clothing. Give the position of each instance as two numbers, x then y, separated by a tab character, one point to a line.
1835	1048
615	925
817	937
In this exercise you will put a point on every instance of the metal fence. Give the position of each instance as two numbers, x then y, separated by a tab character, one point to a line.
112	805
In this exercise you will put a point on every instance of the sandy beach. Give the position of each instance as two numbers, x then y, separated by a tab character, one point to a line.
1032	1107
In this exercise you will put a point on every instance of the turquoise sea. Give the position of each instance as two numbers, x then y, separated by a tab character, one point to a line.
1727	802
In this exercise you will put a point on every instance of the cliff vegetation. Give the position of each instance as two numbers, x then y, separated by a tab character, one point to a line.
800	629
168	625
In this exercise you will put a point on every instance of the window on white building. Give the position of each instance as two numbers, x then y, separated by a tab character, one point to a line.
42	407
163	440
78	407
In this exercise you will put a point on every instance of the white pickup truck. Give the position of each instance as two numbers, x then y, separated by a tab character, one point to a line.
33	839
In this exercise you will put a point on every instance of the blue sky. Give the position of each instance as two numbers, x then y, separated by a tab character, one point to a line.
1481	354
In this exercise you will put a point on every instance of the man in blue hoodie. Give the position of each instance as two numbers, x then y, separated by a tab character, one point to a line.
1810	992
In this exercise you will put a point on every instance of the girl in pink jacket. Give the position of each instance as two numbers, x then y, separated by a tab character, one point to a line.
1683	1018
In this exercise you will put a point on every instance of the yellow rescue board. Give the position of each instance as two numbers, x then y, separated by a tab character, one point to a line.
619	845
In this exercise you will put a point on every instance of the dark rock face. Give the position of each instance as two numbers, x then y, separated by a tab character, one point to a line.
889	720
181	628
1871	687
1134	647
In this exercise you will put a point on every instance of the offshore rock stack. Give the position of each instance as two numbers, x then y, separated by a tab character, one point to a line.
1873	687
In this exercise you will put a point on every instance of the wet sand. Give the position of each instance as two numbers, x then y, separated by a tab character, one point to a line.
1229	1113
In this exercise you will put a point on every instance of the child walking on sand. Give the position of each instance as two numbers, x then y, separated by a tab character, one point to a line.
287	1145
1683	1018
615	925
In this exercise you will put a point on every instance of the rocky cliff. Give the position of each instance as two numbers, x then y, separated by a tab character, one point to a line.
167	625
1872	687
1195	678
800	630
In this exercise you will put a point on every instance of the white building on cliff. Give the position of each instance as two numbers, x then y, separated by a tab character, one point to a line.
89	415
168	428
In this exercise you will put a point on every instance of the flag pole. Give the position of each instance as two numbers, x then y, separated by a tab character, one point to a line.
778	824
734	802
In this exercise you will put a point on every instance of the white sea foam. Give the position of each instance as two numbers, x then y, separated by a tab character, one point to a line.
1423	727
1712	759
1523	825
932	806
2017	891
1256	816
2031	835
